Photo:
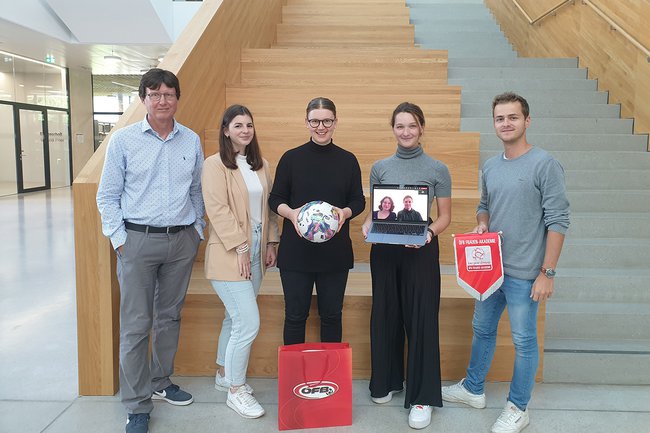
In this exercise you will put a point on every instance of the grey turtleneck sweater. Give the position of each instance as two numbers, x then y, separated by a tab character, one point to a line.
413	167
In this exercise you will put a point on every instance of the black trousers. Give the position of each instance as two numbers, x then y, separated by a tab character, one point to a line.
298	287
405	301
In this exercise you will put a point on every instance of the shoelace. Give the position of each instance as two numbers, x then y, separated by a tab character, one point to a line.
245	398
512	415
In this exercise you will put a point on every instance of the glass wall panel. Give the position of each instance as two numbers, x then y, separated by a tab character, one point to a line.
32	153
32	77
103	125
8	183
57	129
56	94
7	82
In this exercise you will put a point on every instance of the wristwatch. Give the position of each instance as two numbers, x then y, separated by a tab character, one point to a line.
548	272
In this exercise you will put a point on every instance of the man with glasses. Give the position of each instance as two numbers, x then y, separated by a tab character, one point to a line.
150	201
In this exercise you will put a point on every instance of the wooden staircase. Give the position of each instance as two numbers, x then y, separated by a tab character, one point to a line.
361	54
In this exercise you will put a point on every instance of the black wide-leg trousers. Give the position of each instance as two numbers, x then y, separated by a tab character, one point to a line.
405	302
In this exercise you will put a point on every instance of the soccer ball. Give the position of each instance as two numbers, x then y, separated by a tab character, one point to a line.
318	221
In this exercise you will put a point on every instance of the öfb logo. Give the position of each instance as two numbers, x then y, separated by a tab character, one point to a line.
315	390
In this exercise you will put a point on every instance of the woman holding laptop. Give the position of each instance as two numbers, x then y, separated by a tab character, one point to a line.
406	280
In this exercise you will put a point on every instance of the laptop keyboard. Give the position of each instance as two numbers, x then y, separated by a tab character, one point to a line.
398	229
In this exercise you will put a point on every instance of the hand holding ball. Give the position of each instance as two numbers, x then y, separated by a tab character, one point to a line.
318	221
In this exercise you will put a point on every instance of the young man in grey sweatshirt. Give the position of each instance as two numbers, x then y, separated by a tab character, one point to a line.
523	196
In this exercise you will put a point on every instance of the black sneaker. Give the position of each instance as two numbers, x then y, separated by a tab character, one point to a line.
174	395
137	423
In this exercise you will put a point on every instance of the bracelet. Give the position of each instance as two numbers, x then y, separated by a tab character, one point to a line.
433	235
273	244
242	249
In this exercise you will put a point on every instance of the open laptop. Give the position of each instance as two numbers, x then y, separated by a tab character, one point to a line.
406	212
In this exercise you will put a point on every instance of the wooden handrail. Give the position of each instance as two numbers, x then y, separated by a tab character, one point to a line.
598	11
618	28
542	16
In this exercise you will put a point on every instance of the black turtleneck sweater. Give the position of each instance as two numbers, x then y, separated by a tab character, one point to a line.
313	172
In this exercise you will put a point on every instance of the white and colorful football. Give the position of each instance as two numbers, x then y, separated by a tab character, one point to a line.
318	221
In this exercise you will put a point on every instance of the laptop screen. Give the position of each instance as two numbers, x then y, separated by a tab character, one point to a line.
407	203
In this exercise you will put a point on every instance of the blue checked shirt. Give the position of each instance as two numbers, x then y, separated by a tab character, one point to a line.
150	181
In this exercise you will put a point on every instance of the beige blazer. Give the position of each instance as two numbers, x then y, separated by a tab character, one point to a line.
226	205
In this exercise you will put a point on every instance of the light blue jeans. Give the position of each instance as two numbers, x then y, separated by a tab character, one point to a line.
522	311
242	318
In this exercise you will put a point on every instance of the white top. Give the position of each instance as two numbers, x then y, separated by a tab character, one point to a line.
254	190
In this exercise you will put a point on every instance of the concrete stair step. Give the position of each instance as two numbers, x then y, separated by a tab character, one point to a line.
605	160
455	25
609	201
583	142
462	48
549	110
596	361
461	35
470	51
520	85
601	284
593	367
558	126
516	62
607	179
610	225
629	253
598	321
536	97
531	73
552	344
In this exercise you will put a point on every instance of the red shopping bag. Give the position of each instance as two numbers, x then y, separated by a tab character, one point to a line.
314	385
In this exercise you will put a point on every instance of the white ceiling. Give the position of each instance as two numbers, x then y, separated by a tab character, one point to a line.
79	33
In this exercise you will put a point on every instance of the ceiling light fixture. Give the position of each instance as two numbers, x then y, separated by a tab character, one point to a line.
112	58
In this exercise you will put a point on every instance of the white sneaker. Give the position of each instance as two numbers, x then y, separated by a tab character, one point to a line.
511	420
244	404
385	399
457	393
222	384
420	416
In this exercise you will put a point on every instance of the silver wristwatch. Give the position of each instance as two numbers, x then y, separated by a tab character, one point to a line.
548	272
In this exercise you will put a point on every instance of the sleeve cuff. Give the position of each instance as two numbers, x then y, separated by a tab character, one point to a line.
118	239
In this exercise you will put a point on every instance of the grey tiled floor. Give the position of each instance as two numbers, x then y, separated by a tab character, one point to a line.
38	359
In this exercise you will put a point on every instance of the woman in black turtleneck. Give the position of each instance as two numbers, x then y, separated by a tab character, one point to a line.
317	170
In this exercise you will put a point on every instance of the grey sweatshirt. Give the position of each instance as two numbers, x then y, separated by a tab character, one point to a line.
524	197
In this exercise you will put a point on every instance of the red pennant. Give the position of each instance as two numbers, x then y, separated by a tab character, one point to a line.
479	267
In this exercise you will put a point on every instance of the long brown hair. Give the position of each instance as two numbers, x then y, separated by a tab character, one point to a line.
226	149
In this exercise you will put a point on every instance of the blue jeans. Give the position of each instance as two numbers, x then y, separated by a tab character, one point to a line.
242	318
522	311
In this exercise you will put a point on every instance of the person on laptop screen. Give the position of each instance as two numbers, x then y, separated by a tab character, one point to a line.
408	213
385	212
406	278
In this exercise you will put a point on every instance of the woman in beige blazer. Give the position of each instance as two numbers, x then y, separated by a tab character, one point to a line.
242	243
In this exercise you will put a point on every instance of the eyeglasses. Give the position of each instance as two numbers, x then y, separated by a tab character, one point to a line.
155	96
314	123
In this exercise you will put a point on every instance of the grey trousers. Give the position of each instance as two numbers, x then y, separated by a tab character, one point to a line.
154	272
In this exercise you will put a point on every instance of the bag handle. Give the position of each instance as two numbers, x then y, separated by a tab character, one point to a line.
330	364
